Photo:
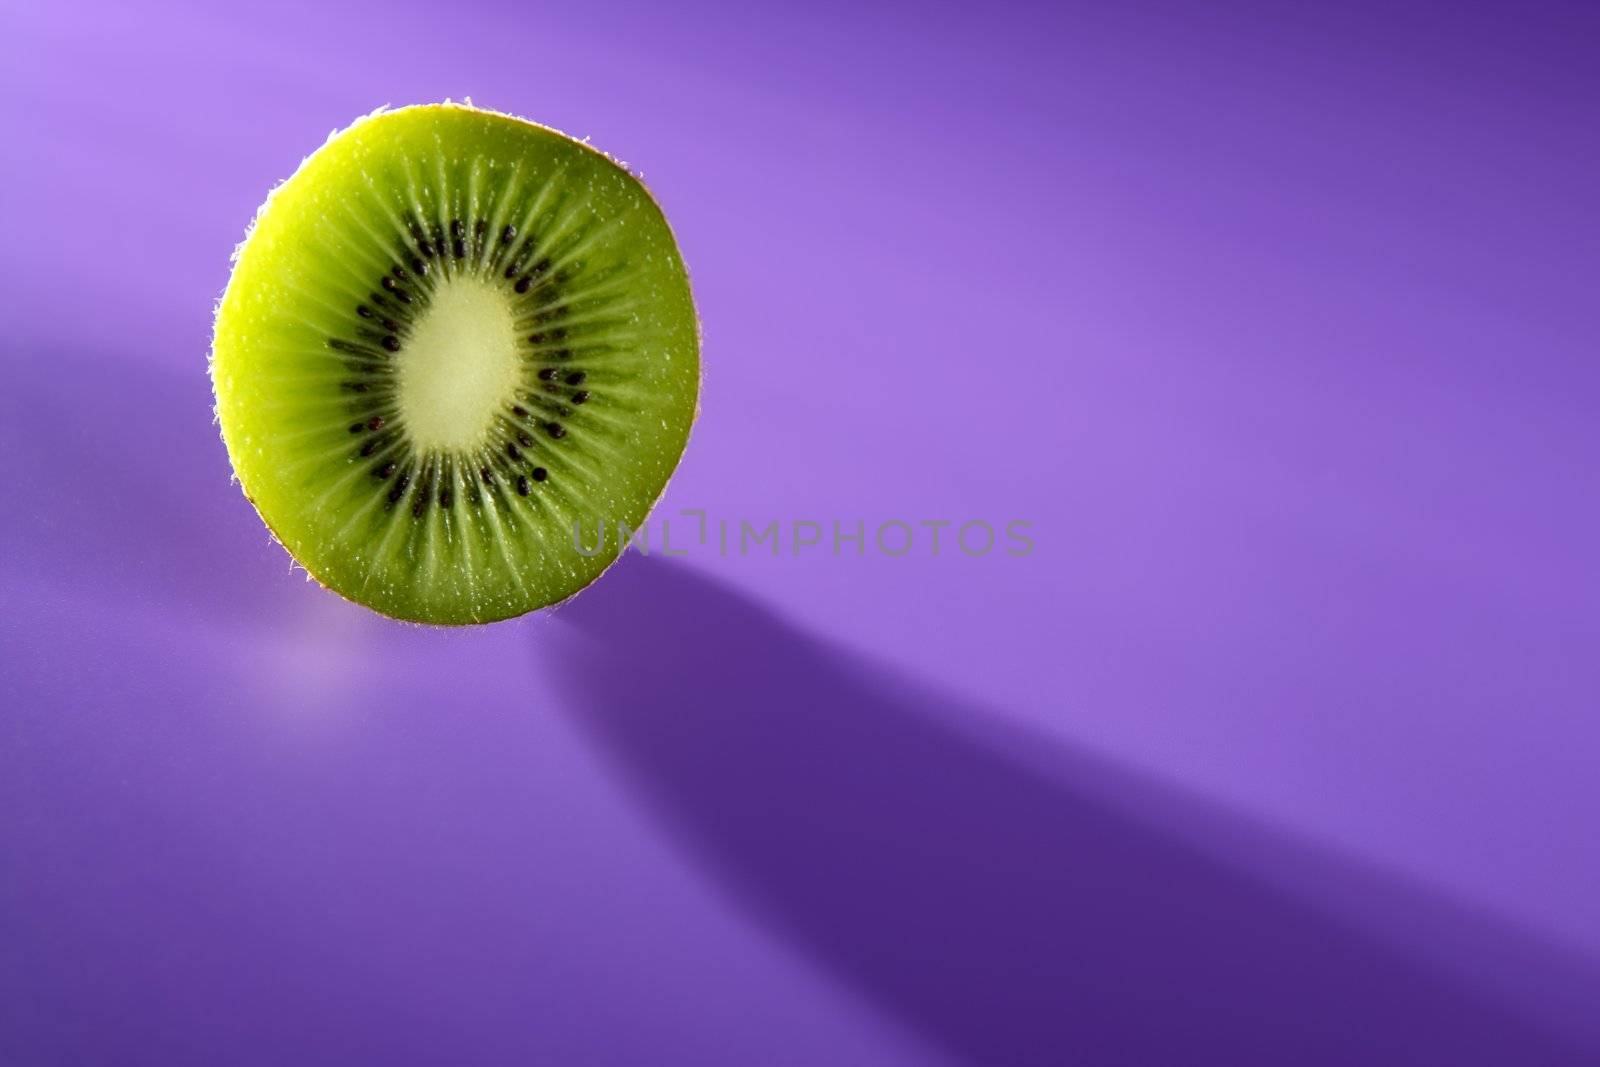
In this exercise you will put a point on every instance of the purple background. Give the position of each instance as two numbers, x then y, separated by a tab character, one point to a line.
1278	322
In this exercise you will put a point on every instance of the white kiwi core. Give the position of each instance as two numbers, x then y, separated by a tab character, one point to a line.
459	368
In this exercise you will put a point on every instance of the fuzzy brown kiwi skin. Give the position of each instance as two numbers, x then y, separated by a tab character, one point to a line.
694	418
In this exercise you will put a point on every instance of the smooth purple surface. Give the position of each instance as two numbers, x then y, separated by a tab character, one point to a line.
1279	324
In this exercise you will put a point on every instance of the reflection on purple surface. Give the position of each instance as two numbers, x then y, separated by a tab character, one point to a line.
1275	322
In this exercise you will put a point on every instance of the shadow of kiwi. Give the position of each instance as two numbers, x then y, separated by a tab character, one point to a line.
1009	908
123	488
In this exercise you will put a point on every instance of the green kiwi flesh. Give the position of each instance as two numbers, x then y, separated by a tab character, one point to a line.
455	344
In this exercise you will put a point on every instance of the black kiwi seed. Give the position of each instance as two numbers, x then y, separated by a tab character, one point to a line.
370	447
486	475
424	247
581	396
375	423
445	498
556	430
519	411
356	387
536	338
523	283
540	474
458	248
392	343
399	272
385	470
563	410
364	311
547	374
420	266
456	229
525	440
576	377
508	235
522	485
511	450
357	427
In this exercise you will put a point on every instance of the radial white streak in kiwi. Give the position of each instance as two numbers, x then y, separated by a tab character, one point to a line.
381	554
440	195
509	190
569	299
437	544
610	289
410	202
341	290
365	247
592	238
607	317
535	208
462	519
361	512
494	504
600	433
472	207
567	216
569	465
604	306
608	294
482	244
567	509
312	295
459	367
414	190
348	476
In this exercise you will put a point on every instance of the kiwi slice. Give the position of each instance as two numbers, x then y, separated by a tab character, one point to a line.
454	346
